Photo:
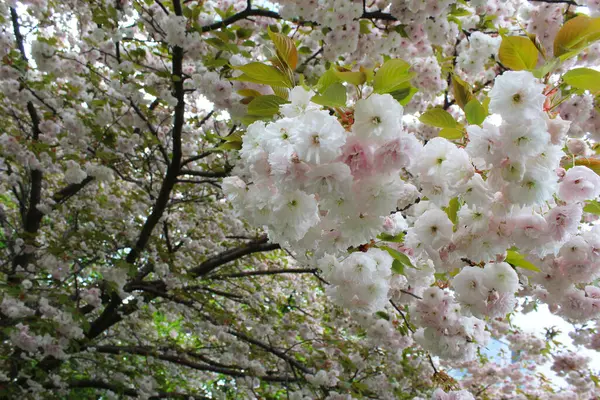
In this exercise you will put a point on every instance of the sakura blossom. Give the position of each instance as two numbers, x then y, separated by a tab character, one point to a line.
313	199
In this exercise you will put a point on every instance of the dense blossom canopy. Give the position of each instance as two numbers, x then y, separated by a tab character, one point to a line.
297	199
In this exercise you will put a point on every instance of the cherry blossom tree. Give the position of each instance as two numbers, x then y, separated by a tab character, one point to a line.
310	199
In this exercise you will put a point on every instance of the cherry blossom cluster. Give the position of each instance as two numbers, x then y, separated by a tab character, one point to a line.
584	120
475	55
409	11
572	366
544	21
488	291
312	182
360	281
565	280
321	187
331	14
445	331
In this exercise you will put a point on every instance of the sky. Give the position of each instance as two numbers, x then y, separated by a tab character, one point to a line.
536	321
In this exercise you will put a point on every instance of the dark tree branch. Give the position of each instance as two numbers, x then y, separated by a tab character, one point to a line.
403	316
248	12
107	318
34	94
195	182
378	15
161	5
258	245
97	384
569	2
71	190
181	360
17	32
167	238
312	57
196	157
266	272
33	216
152	129
271	349
206	174
411	294
413	331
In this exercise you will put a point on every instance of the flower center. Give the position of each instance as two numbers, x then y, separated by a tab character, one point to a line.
516	98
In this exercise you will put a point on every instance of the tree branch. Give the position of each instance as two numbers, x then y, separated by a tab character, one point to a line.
69	191
97	384
205	174
378	15
107	318
569	2
248	12
265	272
272	350
33	216
181	360
259	245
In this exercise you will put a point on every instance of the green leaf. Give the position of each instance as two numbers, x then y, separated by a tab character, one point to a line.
398	267
217	62
234	137
399	238
592	207
231	145
369	73
538	45
518	53
286	49
217	43
399	256
438	117
243	33
334	96
404	94
247	120
401	29
475	112
365	26
462	91
383	315
451	133
281	92
327	79
576	34
518	260
547	68
353	77
452	210
459	12
249	93
583	78
265	106
392	76
256	72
